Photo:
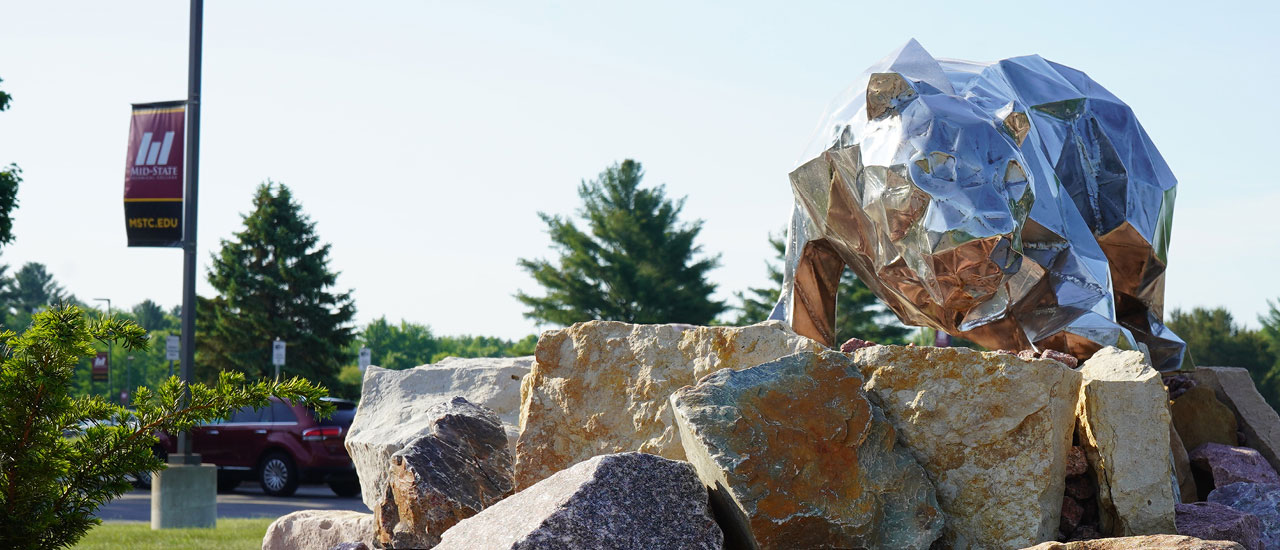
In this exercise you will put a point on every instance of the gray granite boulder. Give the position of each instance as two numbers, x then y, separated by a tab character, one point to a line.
1213	521
619	501
1259	499
394	408
442	478
796	456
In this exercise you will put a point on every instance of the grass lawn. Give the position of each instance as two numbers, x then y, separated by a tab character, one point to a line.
231	534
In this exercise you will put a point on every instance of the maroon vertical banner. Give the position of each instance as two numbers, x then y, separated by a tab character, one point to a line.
100	367
153	174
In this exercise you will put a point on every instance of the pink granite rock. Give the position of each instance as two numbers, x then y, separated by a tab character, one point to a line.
1230	464
1213	521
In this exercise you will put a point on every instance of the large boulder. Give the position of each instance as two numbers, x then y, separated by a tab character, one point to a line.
317	530
602	387
1259	499
440	479
1259	422
991	430
619	501
1123	420
1226	464
797	457
1182	468
1145	542
1200	418
1213	521
393	406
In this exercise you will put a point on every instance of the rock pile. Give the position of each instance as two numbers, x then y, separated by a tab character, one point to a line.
671	436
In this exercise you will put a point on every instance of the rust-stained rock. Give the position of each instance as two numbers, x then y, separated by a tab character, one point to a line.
991	430
1200	418
1123	421
602	387
1145	542
439	479
797	457
1259	422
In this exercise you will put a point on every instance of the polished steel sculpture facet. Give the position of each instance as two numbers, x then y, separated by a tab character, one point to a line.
1017	203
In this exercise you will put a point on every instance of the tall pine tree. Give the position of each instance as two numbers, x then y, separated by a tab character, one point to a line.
274	281
635	262
858	312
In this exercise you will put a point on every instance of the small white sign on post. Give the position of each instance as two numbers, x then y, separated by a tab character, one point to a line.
366	357
277	352
172	345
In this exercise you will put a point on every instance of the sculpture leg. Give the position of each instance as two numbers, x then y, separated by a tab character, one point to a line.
814	288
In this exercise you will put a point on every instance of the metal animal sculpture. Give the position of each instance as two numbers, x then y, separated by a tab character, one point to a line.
1018	204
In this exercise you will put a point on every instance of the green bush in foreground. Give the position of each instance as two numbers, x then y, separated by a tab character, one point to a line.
63	457
231	534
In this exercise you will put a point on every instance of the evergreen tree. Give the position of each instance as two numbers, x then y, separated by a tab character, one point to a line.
274	281
10	177
635	263
859	313
151	317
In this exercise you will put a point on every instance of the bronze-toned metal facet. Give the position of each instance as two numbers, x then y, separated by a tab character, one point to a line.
1016	203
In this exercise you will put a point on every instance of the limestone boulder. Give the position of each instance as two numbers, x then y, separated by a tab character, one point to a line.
1123	420
440	479
603	387
1259	422
991	430
393	404
1226	465
795	456
1213	521
317	530
619	501
1145	542
1258	499
1200	418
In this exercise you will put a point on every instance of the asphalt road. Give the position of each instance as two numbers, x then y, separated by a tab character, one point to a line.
247	501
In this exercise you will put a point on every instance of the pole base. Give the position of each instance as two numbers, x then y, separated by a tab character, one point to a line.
185	495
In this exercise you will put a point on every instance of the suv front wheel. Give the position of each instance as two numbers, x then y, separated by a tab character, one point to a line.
278	475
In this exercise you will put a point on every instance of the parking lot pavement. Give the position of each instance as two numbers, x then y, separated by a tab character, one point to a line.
247	501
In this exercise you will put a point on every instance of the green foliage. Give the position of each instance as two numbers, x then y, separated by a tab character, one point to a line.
406	345
635	263
50	484
151	317
1214	339
31	289
858	312
273	281
9	179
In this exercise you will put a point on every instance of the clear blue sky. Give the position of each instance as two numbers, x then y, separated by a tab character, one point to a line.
424	137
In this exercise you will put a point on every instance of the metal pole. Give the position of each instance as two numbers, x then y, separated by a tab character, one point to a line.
190	196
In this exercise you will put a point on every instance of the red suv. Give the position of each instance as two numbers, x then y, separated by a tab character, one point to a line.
280	445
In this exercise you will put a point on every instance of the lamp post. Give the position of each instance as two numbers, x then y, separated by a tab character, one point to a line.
109	346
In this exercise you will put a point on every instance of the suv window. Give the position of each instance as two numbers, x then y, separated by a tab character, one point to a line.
282	412
344	413
248	414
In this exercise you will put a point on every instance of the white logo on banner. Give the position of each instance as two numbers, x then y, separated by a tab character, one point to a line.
151	153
